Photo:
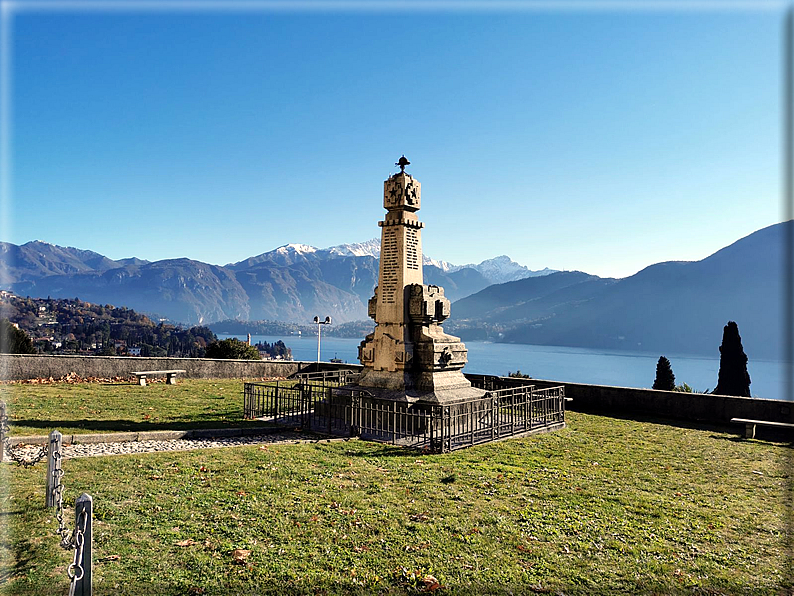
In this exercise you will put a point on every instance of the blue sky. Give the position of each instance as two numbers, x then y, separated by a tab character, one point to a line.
597	139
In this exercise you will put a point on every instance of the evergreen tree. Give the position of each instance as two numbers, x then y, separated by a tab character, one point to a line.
518	375
13	340
665	379
232	348
733	376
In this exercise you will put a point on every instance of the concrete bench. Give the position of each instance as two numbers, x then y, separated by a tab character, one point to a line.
170	375
749	425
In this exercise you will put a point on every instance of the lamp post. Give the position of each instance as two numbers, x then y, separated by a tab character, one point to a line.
319	323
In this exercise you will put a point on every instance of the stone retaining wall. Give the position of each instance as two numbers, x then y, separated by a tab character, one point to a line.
586	398
16	367
696	407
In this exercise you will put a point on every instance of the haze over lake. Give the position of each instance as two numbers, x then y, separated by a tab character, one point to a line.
575	365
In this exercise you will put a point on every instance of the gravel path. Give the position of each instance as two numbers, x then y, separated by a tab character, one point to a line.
127	447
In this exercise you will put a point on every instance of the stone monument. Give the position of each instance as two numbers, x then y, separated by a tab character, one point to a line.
408	357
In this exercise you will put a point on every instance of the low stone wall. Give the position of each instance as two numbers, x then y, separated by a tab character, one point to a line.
16	367
696	407
600	399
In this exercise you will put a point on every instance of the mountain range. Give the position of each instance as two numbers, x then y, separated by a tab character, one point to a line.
291	283
672	307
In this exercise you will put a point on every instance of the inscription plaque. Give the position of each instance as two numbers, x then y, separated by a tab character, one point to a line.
411	249
390	265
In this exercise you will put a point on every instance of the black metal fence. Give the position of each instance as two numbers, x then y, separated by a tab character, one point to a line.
325	404
329	377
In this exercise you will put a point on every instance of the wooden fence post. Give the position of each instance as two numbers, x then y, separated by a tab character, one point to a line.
83	586
53	467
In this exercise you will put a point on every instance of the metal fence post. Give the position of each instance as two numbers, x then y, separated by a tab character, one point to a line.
53	467
394	423
331	409
431	422
472	420
446	429
494	412
84	505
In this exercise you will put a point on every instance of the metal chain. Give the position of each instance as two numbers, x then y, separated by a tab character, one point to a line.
74	540
75	570
67	537
26	461
18	455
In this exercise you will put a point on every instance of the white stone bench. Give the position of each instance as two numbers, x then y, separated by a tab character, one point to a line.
169	374
749	425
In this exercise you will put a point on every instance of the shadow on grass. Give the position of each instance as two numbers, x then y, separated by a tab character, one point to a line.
781	438
384	450
131	425
27	555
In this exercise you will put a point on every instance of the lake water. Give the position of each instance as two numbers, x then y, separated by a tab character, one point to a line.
575	365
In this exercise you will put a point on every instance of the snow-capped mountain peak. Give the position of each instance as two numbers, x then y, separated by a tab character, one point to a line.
443	265
301	249
502	269
498	270
370	248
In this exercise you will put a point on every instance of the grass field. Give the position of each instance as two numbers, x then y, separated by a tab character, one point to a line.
95	407
605	506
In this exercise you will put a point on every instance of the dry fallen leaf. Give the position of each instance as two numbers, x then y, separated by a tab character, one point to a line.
431	584
109	558
187	542
239	555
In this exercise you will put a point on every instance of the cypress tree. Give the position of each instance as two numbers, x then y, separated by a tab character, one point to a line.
665	379
13	340
733	376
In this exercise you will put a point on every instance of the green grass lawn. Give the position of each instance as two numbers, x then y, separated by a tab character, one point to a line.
605	506
94	407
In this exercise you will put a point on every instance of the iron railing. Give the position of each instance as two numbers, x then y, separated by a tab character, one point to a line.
329	377
325	405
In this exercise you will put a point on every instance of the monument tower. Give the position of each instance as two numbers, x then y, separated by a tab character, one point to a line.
408	356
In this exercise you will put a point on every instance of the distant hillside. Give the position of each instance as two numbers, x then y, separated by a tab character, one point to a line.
291	283
180	289
673	307
64	326
529	299
39	259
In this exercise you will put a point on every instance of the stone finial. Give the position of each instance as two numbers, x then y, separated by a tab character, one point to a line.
402	162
